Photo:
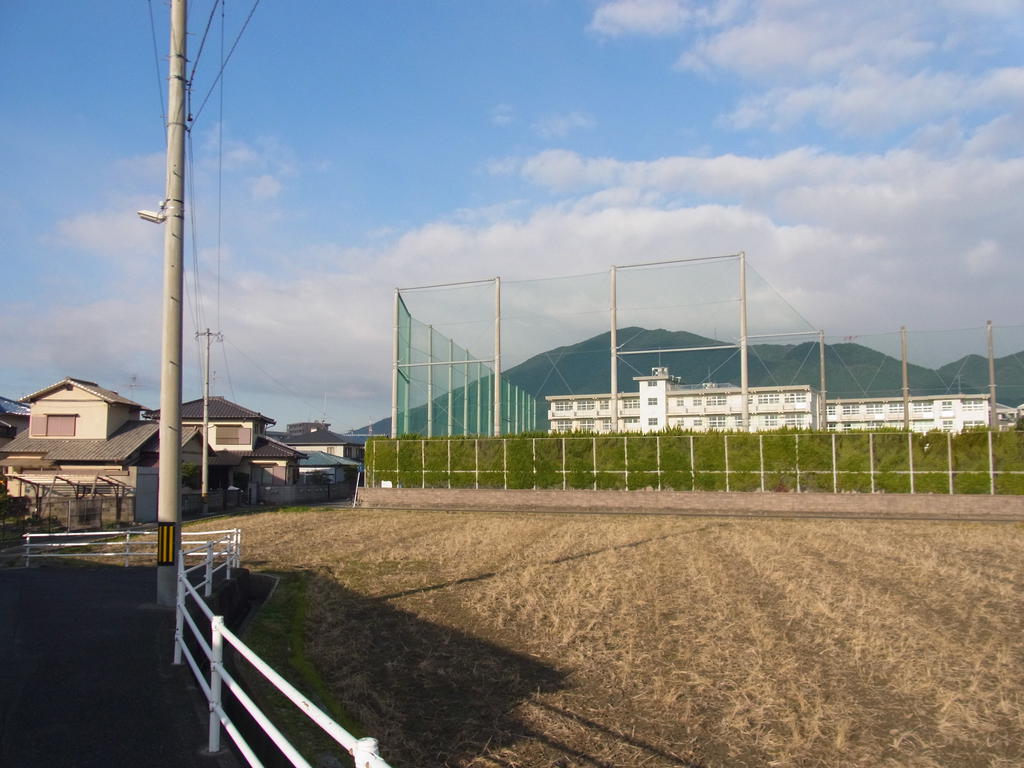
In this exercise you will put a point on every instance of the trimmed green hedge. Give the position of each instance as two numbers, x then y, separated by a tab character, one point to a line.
712	461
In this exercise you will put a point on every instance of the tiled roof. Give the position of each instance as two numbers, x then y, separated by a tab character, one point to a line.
118	448
321	459
266	448
13	406
107	395
320	437
220	408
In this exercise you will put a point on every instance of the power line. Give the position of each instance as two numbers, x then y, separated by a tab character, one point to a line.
225	62
159	80
202	42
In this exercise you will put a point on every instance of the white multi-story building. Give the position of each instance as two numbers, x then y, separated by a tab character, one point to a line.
949	413
664	402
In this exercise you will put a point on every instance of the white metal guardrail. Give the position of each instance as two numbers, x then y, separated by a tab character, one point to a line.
128	544
364	751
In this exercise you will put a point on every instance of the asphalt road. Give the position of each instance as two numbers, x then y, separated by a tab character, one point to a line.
86	677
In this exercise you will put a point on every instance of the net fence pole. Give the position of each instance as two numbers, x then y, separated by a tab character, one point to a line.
906	380
497	356
430	381
614	384
451	386
465	396
993	413
394	371
822	383
744	371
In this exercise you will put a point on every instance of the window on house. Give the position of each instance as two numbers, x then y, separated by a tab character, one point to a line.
947	405
698	422
850	408
603	404
652	422
587	425
680	402
771	420
716	399
606	425
796	397
584	405
923	406
652	384
233	435
895	407
631	420
652	401
874	408
973	405
830	410
54	425
631	402
564	426
769	398
563	405
698	402
794	419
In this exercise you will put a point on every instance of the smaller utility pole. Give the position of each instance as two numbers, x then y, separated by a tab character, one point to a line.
993	408
906	378
205	487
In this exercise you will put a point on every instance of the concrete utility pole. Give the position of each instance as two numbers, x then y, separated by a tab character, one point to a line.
169	493
205	487
822	404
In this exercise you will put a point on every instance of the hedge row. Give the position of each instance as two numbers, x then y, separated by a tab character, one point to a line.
893	462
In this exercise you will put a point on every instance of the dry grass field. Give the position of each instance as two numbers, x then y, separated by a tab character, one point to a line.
541	640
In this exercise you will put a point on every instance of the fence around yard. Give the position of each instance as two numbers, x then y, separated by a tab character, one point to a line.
981	462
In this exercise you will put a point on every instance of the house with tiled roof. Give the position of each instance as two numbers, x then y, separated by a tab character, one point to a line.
86	441
317	436
244	455
13	419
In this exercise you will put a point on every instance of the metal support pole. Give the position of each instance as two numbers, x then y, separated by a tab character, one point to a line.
479	404
216	661
451	385
205	485
169	477
430	381
614	308
744	377
823	396
906	379
465	396
394	371
993	412
497	356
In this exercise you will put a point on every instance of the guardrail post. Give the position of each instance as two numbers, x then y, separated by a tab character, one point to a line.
28	550
208	586
365	753
179	611
127	547
216	659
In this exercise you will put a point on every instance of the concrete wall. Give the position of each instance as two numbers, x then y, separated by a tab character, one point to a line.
304	494
881	505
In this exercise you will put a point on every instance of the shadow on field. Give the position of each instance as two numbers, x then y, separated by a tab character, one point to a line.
556	561
431	695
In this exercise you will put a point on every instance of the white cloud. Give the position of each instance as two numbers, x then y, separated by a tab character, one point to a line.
869	100
649	17
110	233
264	187
561	125
502	114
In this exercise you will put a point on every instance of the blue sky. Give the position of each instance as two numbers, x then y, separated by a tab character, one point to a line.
866	156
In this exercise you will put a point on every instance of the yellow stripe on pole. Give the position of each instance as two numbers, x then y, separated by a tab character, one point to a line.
165	544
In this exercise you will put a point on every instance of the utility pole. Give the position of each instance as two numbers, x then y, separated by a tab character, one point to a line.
169	493
744	376
822	398
205	487
906	378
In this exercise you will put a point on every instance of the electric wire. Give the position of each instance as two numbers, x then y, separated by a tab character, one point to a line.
202	41
284	387
159	79
224	63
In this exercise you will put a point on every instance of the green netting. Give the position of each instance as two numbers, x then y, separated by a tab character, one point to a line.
444	388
